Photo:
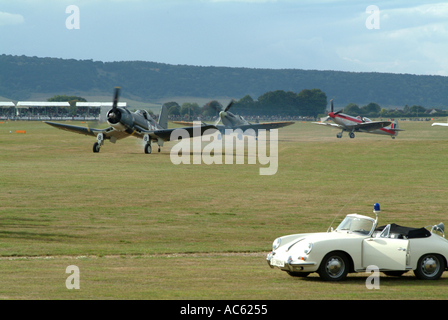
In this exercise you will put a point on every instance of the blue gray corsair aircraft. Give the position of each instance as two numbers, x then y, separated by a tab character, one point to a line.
140	124
233	121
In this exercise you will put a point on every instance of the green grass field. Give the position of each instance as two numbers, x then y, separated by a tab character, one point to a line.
139	227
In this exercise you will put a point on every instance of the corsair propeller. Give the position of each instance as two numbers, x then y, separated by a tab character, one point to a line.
115	103
114	114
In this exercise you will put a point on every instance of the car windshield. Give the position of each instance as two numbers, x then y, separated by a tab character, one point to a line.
355	224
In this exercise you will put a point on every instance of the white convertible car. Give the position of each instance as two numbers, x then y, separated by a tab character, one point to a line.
358	243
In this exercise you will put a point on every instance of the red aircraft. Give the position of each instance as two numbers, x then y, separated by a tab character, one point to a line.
359	124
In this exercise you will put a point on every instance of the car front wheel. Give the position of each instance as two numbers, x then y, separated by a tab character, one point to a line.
430	267
334	267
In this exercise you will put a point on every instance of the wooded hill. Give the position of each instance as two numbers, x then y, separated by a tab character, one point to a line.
21	76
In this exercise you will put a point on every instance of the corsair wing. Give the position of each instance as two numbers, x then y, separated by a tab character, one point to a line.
108	132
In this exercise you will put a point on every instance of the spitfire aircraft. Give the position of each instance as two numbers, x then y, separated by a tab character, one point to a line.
124	123
232	121
358	124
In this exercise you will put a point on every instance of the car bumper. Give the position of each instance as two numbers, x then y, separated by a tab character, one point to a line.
291	265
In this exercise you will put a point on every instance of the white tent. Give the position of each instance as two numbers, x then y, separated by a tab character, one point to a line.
31	105
99	104
41	104
7	104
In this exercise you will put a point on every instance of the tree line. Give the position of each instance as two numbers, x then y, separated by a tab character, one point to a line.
374	110
307	102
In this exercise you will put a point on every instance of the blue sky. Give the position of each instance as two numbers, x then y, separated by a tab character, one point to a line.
309	34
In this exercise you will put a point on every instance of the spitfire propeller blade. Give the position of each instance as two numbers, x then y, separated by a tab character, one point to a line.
225	110
332	108
217	120
218	107
229	105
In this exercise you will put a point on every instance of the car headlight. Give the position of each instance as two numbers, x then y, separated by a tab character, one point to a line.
308	248
276	243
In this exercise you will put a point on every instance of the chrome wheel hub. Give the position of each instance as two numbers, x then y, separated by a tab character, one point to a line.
430	265
335	267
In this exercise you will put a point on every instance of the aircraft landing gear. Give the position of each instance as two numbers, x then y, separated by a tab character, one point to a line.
148	148
100	141
147	141
339	135
159	143
351	135
96	147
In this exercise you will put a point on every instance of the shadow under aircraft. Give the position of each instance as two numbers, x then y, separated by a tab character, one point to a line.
139	124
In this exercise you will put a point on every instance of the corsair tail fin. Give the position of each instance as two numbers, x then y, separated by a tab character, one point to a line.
163	118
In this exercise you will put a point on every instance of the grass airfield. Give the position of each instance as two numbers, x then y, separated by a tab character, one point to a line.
140	227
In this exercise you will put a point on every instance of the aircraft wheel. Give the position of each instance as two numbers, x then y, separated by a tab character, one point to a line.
148	148
351	135
339	135
96	147
159	149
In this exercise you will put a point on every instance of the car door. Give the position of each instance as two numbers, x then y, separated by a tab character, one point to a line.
385	253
